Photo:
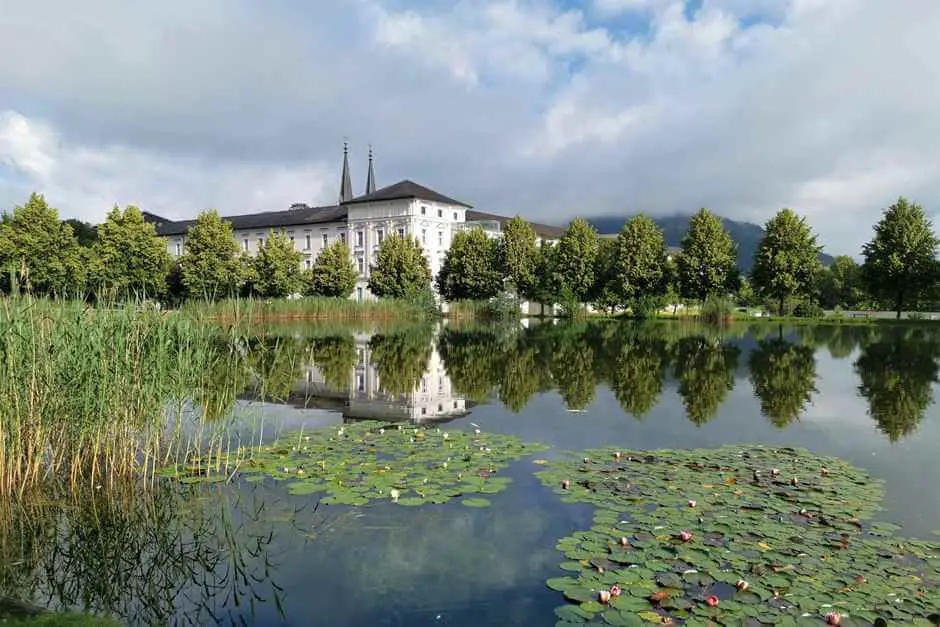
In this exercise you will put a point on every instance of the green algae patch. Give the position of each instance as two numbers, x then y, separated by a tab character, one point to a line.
370	461
743	535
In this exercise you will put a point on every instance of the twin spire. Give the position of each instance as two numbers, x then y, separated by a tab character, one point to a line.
345	184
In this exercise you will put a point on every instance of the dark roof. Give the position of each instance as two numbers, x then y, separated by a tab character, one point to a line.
297	215
405	189
154	218
546	231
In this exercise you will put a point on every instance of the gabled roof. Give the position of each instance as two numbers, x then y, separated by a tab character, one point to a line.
403	190
297	215
545	231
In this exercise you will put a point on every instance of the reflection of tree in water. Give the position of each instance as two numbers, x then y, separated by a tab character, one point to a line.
636	373
897	372
572	367
521	376
844	340
784	376
149	555
335	357
471	358
276	364
705	371
401	358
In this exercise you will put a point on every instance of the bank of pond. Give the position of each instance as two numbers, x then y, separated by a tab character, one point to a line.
163	469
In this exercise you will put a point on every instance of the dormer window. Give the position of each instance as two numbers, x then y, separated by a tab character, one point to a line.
440	213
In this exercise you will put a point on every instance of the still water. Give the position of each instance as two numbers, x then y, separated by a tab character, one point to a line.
250	553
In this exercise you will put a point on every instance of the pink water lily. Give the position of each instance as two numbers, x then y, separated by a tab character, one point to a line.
565	484
712	601
833	618
691	503
615	591
685	536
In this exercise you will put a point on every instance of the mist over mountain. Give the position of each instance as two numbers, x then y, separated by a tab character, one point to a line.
746	234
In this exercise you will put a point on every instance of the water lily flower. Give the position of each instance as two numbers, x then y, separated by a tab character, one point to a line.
833	618
394	494
587	460
775	471
824	471
624	541
658	597
795	481
604	596
685	536
476	431
617	455
742	585
565	484
381	431
446	435
711	601
691	503
615	591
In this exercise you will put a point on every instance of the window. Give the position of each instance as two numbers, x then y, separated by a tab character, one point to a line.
380	235
455	404
424	410
307	264
359	298
440	213
358	238
326	240
401	233
359	263
307	241
440	238
260	242
440	407
291	238
342	237
424	210
455	215
360	380
179	249
424	236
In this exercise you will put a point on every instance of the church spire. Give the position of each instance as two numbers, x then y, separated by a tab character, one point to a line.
345	185
370	179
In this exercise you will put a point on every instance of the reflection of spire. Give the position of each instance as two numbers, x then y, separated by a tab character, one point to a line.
345	185
370	179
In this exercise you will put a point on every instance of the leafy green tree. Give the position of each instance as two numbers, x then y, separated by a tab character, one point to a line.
520	377
840	285
336	358
637	374
401	359
471	358
41	252
572	368
707	264
277	267
784	378
85	233
400	270
639	262
470	270
705	371
897	374
333	274
786	263
746	296
129	258
518	257
899	260
209	263
547	288
604	296
575	259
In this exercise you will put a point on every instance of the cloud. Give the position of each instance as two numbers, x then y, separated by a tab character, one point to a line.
827	106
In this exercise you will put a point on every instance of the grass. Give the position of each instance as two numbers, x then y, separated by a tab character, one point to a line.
248	310
85	392
68	619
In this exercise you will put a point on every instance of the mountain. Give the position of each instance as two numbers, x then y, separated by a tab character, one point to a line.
745	234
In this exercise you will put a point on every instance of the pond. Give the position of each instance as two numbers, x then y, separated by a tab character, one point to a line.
259	544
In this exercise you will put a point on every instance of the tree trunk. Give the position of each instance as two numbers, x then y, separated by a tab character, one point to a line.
899	302
780	311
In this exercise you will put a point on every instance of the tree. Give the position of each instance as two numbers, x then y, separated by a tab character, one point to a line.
401	359
707	263
637	373
41	252
639	262
840	285
400	270
518	256
604	295
784	379
705	371
575	258
333	274
277	267
85	232
787	259
547	287
899	260
128	257
470	269
209	264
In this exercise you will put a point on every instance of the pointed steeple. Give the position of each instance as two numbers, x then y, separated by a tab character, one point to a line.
370	179
345	184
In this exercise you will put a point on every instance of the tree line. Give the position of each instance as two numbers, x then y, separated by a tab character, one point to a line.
124	257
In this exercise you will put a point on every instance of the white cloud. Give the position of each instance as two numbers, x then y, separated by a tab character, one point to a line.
827	106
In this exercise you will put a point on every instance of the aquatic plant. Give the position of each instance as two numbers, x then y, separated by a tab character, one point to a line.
777	536
366	461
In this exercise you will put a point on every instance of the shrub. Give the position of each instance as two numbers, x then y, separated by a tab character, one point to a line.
717	309
808	309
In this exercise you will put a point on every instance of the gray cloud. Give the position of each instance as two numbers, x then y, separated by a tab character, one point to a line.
512	106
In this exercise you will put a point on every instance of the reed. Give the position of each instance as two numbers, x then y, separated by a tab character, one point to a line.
85	392
251	310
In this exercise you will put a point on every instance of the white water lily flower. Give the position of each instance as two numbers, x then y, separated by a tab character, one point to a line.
394	494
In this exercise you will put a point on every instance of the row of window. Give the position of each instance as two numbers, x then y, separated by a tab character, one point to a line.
440	213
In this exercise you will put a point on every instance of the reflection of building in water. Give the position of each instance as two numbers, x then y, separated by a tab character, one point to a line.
432	399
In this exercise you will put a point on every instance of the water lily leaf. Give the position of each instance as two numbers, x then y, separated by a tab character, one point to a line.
476	502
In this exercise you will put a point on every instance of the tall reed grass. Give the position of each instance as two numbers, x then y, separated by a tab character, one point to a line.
84	392
252	310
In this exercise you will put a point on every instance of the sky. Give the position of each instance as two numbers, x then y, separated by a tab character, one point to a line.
545	108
